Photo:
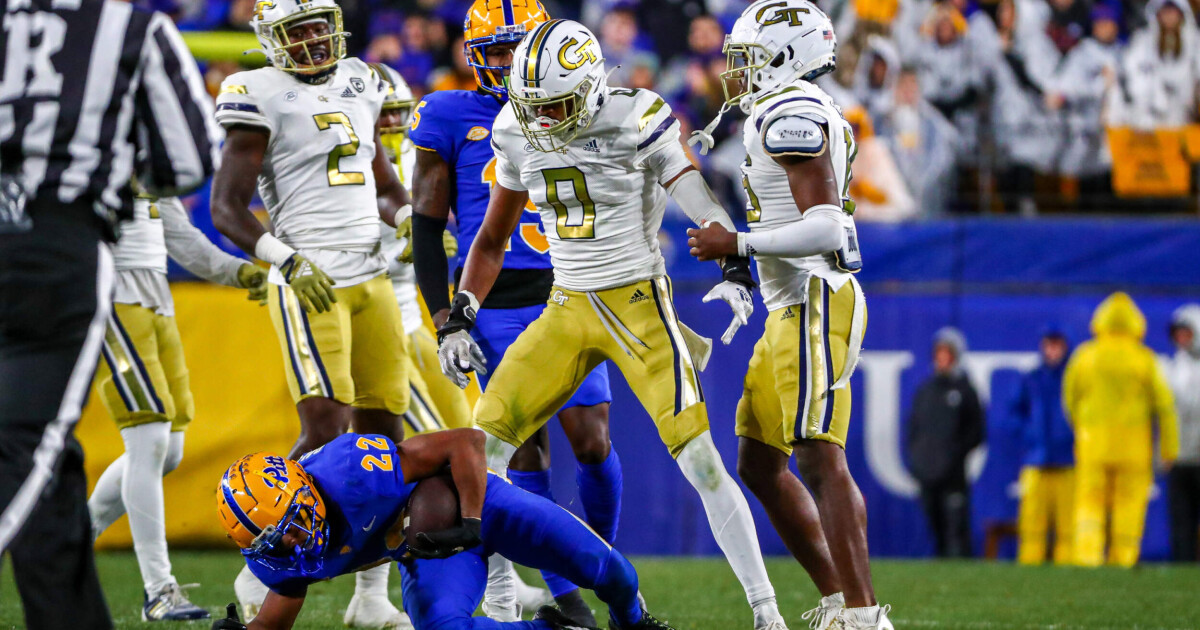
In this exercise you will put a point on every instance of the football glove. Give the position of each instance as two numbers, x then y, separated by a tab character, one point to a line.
446	543
737	296
457	351
231	620
313	287
254	278
450	244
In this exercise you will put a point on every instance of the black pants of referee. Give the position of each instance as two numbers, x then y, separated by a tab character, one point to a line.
55	287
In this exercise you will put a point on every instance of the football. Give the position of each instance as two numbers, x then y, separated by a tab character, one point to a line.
432	506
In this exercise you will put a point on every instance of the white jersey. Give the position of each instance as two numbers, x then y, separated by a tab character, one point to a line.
316	179
601	205
161	227
404	278
771	205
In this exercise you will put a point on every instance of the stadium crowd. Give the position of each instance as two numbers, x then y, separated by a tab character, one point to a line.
960	106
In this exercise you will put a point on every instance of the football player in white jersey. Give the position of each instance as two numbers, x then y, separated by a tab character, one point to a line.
435	401
304	129
598	163
143	382
796	396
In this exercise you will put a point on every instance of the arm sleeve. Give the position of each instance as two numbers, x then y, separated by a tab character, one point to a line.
429	131
819	231
696	199
178	141
238	105
192	249
429	261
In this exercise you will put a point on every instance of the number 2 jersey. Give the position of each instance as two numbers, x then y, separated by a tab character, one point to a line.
783	281
316	180
601	204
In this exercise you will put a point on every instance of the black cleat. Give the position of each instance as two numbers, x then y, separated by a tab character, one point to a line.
558	620
648	622
572	605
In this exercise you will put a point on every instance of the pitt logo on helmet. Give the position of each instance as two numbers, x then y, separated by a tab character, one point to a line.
791	14
584	53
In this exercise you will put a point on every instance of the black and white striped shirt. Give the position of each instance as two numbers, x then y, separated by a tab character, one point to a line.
92	90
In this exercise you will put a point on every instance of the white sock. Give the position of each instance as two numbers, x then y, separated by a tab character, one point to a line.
500	596
372	582
105	504
146	448
730	520
499	453
837	599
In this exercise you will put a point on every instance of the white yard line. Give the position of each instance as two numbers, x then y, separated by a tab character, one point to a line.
991	625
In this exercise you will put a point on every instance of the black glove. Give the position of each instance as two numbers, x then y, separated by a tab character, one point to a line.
462	315
231	621
446	543
737	269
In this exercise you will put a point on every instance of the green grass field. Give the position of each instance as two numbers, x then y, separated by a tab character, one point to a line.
702	594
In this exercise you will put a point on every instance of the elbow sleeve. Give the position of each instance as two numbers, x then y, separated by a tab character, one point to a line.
696	199
429	259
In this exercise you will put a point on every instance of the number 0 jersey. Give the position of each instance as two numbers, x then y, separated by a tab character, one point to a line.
316	180
784	280
601	205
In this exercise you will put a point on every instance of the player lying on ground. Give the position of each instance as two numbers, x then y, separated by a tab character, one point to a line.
343	507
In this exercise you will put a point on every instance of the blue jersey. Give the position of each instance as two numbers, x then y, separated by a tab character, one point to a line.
359	478
457	125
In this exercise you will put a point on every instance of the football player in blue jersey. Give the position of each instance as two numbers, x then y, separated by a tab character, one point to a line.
456	170
343	507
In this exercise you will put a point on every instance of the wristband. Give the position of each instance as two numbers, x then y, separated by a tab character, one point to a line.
744	249
272	250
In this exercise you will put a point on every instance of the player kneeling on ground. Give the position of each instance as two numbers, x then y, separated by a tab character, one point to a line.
345	507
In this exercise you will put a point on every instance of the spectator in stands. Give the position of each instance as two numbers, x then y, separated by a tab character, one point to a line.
459	76
945	424
1114	392
951	81
877	189
1082	83
875	81
1183	484
618	39
922	142
1159	73
1047	479
706	38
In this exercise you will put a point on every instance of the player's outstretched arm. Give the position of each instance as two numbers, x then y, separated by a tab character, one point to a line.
431	210
423	456
389	192
486	257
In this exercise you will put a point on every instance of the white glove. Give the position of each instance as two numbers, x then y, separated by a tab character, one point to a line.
738	298
458	355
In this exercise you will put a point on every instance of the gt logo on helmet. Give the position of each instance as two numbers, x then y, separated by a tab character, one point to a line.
584	53
792	14
262	5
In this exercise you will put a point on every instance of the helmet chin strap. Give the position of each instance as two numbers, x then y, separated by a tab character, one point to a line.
703	137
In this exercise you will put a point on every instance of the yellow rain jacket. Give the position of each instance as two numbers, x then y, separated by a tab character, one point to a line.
1114	389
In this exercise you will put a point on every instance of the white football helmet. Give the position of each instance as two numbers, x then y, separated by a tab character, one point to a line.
773	43
272	20
557	66
396	111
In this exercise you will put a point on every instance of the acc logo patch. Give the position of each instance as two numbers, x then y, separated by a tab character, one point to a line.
358	84
477	133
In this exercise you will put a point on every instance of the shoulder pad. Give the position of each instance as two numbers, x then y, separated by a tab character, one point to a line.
794	135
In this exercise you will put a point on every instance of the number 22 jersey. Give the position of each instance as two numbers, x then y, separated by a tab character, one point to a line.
316	179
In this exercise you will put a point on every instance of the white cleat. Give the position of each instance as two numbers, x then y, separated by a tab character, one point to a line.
767	617
825	615
532	597
776	624
374	611
250	593
855	619
502	613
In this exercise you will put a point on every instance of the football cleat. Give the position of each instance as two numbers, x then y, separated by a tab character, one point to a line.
855	619
367	611
778	624
572	605
825	615
648	622
558	620
170	605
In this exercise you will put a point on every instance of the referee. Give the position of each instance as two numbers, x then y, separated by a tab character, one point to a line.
90	91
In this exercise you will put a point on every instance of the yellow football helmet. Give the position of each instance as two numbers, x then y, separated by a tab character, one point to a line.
261	497
394	118
497	22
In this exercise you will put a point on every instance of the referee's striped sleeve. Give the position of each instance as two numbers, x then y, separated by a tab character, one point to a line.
178	138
